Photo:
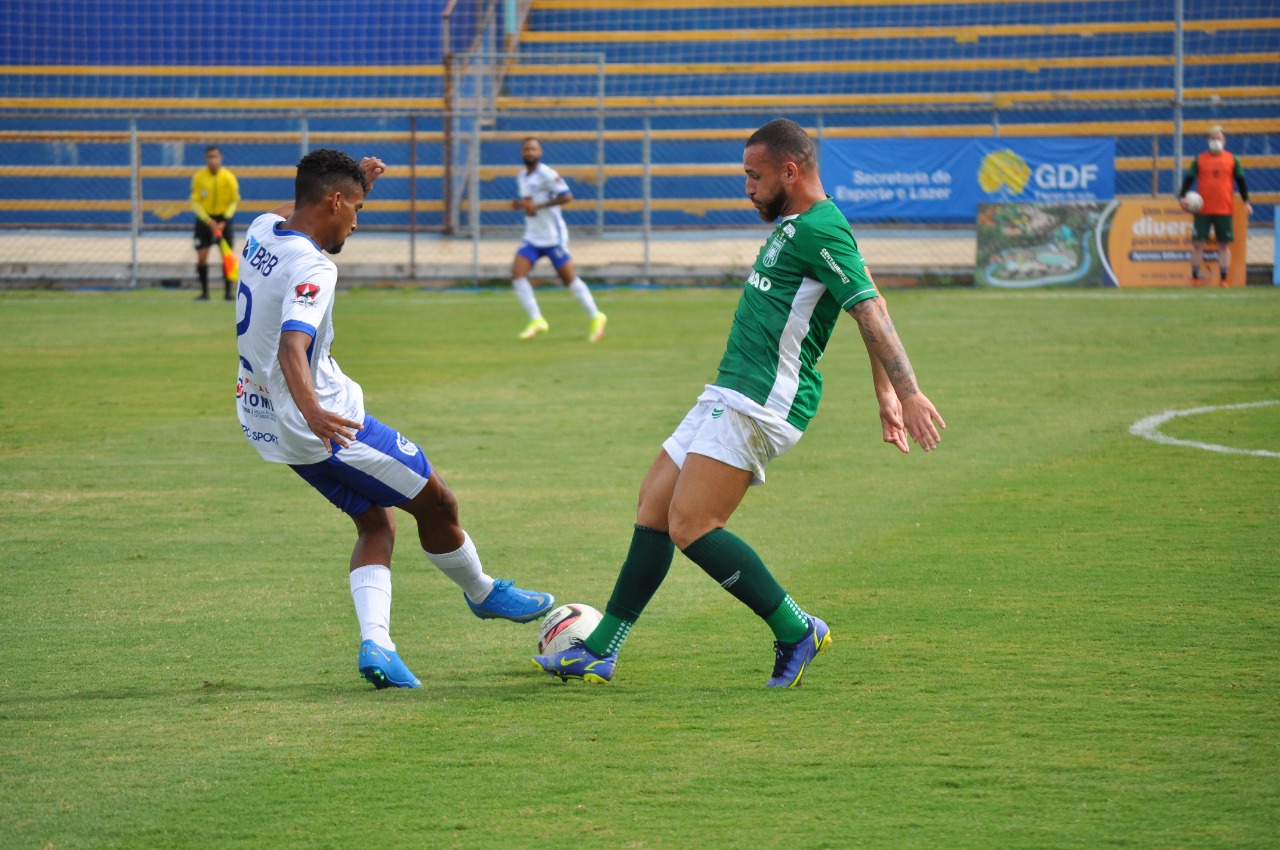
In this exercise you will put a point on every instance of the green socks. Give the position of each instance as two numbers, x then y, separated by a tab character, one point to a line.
735	565
642	573
723	556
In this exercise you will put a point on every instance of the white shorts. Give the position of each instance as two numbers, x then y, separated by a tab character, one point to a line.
733	429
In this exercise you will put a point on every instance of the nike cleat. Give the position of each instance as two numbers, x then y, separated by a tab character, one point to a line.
505	602
597	327
793	658
578	662
384	669
537	326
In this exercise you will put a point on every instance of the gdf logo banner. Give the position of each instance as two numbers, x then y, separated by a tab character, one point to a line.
1046	170
944	180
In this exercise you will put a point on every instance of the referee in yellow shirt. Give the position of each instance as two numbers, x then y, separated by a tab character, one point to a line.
215	192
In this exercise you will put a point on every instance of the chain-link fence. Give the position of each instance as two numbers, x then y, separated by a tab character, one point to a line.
656	197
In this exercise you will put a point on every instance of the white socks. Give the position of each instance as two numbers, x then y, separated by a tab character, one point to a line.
524	291
371	591
463	568
580	291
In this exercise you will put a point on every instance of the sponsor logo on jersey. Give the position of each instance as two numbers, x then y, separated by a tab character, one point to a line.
305	293
759	281
254	399
835	267
771	255
717	412
259	436
258	257
405	446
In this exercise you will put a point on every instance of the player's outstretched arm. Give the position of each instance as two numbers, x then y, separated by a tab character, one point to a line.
918	415
293	364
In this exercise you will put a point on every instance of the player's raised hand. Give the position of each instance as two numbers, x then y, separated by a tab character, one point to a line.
373	168
922	420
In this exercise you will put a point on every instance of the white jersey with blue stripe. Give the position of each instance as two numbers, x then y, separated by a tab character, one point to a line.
286	284
545	228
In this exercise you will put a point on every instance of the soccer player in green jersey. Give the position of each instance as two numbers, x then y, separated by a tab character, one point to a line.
807	272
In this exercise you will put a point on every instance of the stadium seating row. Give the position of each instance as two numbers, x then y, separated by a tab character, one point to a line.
589	72
692	174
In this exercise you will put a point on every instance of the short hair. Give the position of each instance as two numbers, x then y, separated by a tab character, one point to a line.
322	171
1216	128
211	148
786	140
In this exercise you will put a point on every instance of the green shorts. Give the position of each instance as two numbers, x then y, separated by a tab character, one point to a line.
1221	224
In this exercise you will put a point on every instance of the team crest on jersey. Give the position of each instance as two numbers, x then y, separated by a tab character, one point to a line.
789	229
405	446
771	255
305	293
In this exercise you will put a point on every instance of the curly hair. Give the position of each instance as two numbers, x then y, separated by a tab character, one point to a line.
324	170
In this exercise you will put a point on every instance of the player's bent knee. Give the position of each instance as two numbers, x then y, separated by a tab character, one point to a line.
435	505
685	530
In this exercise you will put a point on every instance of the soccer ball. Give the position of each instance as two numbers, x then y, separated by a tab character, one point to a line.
566	624
1193	201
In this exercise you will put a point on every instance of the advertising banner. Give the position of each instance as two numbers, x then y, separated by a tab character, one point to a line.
1148	243
946	179
1140	243
1021	246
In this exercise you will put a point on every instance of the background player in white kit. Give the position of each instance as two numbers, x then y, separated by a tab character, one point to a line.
540	194
297	407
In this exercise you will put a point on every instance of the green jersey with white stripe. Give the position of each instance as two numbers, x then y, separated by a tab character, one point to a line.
806	274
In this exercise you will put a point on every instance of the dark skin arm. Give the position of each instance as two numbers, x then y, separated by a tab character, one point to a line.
902	405
297	374
292	353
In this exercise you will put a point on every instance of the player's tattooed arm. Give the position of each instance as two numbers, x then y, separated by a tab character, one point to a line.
903	407
884	346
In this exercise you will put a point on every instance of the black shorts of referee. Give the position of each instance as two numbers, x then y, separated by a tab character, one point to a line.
204	236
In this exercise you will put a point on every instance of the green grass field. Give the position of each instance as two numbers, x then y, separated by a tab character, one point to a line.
1048	634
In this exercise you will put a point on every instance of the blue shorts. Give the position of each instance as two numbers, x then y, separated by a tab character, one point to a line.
380	467
555	253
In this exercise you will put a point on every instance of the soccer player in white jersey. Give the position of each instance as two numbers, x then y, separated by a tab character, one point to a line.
297	407
767	390
540	193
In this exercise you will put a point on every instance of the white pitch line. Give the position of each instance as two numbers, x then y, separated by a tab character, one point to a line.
1149	429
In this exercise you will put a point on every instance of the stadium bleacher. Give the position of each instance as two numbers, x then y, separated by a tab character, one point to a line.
677	83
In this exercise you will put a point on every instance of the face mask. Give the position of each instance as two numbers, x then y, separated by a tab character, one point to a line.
1215	145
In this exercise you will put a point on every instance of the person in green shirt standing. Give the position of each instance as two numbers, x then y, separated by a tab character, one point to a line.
768	387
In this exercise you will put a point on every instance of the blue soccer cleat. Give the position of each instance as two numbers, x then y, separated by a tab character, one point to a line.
505	602
384	669
578	662
793	658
